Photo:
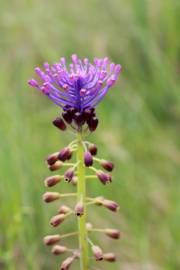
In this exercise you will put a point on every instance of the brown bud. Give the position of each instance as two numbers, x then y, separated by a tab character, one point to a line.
52	180
50	196
103	177
97	251
107	165
56	166
113	233
111	205
51	239
93	149
56	220
64	209
79	209
67	263
110	257
51	159
58	250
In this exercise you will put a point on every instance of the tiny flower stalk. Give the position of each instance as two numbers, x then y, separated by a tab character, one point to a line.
77	88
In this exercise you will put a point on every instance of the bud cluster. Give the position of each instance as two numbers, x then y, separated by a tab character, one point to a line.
77	119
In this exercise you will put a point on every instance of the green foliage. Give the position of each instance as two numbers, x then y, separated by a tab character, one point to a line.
138	126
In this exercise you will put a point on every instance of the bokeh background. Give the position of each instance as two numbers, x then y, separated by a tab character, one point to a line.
138	127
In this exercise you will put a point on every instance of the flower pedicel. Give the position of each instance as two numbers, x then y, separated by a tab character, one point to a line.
78	88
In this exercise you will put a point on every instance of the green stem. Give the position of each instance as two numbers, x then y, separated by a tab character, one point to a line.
81	195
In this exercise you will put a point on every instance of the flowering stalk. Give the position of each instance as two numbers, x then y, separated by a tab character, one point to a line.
77	90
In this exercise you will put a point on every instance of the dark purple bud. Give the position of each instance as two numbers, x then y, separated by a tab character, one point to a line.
59	123
51	159
69	174
93	149
67	116
107	165
79	209
51	239
87	113
65	154
52	180
110	257
113	233
57	165
92	123
56	220
50	196
79	119
88	159
66	264
104	177
58	250
97	251
111	205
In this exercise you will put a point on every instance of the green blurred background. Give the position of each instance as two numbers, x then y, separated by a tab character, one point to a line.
138	127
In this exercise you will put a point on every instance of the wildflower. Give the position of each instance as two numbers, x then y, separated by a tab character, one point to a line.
56	166
107	165
51	239
50	196
51	159
69	174
59	123
88	160
79	209
92	149
64	209
97	251
111	205
110	257
52	180
115	234
67	263
65	154
58	250
103	177
56	220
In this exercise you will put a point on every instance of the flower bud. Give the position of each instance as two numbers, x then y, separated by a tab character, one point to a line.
74	180
65	154
79	209
88	159
113	233
104	177
97	251
79	118
67	116
69	174
99	200
66	264
92	149
92	123
56	220
51	159
52	180
57	165
64	209
50	196
111	205
110	257
107	165
59	123
51	239
58	250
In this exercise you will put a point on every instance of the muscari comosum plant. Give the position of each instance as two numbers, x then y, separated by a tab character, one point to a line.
78	89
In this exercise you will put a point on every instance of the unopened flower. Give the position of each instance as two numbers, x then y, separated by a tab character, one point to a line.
58	250
56	220
67	263
88	159
64	209
113	233
52	180
89	226
50	196
92	149
69	174
111	205
51	159
56	166
103	177
97	251
65	154
79	209
59	123
110	257
107	165
51	239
